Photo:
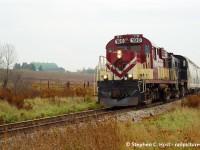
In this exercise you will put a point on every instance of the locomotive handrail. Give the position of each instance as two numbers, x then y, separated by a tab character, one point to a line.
143	86
96	76
102	63
101	67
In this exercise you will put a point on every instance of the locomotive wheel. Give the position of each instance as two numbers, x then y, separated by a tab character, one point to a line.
148	98
182	92
177	94
166	96
148	101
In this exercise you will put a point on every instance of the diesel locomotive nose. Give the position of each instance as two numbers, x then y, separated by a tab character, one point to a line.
120	64
119	54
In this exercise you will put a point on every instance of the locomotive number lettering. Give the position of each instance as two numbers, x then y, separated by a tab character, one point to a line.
119	41
136	40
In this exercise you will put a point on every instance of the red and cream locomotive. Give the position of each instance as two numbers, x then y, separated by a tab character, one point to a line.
136	71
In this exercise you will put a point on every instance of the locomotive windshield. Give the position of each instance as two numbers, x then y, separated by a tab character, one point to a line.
135	48
122	47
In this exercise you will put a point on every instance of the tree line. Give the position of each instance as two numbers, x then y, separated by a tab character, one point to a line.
88	70
27	66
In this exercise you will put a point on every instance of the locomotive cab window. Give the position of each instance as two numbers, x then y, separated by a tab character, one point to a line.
122	47
184	63
109	50
147	49
154	53
135	48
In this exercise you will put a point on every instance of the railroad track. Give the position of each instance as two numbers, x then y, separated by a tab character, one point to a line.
71	118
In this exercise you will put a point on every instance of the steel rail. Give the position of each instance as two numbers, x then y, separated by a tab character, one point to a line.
70	118
11	127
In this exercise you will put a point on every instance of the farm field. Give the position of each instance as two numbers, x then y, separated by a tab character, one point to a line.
61	77
38	103
176	129
31	95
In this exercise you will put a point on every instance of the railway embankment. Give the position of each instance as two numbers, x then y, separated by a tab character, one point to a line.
138	115
174	126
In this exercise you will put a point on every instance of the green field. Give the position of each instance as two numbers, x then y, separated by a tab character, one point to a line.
176	129
41	107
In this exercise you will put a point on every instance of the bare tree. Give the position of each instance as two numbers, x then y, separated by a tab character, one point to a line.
1	64
1	56
21	84
8	59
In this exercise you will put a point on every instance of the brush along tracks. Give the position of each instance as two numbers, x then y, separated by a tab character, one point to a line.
71	118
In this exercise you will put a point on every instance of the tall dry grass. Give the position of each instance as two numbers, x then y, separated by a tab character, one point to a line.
180	125
192	101
44	107
94	136
17	98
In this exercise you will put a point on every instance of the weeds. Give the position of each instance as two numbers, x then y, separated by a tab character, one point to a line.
192	101
180	125
43	107
95	135
17	98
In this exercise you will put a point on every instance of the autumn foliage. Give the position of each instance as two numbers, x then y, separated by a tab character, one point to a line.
192	101
16	97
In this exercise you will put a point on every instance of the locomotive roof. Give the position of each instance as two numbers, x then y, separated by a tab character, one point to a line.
154	45
191	62
135	35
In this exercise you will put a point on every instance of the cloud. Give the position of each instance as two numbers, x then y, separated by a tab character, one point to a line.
73	33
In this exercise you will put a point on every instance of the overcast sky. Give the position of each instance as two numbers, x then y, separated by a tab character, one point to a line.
73	33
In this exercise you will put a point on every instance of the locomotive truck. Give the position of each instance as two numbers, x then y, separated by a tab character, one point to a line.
135	71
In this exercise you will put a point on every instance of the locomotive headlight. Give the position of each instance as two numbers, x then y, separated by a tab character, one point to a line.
119	54
130	75
105	77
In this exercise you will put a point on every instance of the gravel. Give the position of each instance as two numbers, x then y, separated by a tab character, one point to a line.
137	115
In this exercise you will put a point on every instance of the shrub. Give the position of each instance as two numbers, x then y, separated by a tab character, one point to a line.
110	134
17	94
27	106
192	101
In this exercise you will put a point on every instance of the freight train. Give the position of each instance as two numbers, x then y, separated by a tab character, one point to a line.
135	71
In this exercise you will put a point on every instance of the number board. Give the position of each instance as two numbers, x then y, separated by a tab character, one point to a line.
136	40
